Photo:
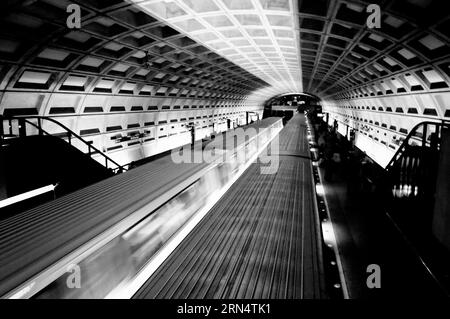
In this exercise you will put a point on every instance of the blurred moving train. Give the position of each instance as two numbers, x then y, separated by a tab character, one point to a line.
114	234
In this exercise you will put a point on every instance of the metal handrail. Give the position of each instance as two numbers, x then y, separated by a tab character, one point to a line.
411	134
91	149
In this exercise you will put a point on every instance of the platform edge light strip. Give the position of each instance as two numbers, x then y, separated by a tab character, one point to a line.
327	227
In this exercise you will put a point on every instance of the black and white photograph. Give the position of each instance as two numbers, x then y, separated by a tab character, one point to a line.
223	157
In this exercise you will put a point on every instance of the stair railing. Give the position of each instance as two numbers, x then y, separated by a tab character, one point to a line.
411	169
23	121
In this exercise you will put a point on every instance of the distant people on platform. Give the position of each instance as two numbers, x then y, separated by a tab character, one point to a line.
342	162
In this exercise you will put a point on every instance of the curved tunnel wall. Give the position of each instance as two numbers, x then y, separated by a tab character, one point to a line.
131	66
381	81
123	72
382	123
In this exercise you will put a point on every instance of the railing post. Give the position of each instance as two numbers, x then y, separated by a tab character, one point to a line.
40	127
424	136
435	137
22	128
2	132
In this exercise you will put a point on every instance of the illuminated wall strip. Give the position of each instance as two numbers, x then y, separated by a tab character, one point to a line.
22	197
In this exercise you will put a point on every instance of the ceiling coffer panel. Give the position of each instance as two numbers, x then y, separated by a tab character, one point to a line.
119	42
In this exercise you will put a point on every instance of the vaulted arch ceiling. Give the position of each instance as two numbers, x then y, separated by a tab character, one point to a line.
137	62
113	42
382	81
124	74
258	35
340	53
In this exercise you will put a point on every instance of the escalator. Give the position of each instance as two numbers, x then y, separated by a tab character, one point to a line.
36	166
409	191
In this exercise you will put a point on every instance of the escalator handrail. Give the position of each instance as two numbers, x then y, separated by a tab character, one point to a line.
411	134
69	132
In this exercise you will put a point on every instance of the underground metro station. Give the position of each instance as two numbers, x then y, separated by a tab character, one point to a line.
224	149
